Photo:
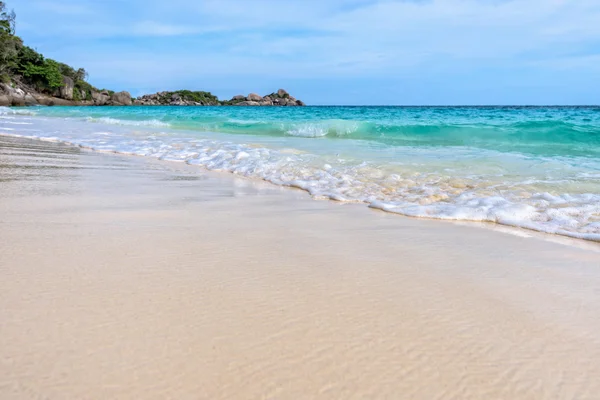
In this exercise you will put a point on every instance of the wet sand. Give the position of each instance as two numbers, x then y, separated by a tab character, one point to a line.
123	278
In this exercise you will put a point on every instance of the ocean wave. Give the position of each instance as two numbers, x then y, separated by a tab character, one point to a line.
432	195
15	111
126	122
447	171
336	128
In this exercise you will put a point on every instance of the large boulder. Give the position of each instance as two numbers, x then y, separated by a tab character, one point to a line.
248	103
4	100
266	101
282	93
239	97
30	100
121	99
66	90
100	99
254	97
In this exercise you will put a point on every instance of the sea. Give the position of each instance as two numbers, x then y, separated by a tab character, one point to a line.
536	168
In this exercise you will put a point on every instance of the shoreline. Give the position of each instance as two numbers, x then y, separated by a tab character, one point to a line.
524	231
126	277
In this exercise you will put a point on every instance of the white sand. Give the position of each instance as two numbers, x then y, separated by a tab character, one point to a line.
127	279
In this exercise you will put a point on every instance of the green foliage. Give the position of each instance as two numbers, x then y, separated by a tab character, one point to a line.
8	52
198	97
7	19
8	42
66	70
45	77
27	55
82	85
76	94
77	75
188	95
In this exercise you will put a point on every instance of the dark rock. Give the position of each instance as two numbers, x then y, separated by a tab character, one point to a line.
100	99
121	99
282	93
30	100
254	97
66	90
239	97
248	103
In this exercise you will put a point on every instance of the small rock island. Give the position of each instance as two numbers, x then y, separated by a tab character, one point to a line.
189	98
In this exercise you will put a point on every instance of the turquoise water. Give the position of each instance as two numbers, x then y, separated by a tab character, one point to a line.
533	167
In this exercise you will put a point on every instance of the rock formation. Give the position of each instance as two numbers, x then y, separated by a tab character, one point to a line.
189	98
66	91
18	94
120	99
279	98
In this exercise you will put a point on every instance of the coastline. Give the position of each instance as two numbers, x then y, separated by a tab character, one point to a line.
127	277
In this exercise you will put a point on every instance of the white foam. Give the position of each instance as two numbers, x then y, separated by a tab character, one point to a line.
15	111
417	187
321	128
114	121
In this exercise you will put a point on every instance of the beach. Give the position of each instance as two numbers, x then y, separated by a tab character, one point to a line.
126	277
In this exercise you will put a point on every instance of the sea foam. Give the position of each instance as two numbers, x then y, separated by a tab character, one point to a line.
557	195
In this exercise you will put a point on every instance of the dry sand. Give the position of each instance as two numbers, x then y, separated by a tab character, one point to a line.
122	278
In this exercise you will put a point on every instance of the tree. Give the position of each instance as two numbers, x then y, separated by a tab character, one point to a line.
8	42
46	76
7	19
81	75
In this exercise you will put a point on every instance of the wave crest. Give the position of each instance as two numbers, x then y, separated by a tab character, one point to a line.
126	122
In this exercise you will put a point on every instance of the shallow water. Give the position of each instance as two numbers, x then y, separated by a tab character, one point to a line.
531	167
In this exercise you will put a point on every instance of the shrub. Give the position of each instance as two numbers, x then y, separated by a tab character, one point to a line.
46	76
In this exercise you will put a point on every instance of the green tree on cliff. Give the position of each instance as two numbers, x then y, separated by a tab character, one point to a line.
8	41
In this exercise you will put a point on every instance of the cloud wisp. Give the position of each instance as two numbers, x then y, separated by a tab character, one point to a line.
354	41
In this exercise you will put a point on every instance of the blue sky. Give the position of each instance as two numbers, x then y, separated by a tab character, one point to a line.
403	52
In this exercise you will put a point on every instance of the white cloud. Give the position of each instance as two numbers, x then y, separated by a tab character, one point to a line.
303	39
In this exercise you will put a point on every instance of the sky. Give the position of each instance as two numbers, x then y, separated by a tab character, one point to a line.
346	52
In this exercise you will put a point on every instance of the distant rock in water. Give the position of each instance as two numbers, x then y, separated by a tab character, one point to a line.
190	98
178	98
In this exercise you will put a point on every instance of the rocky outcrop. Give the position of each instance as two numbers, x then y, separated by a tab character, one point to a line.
254	97
66	90
178	98
188	98
15	96
18	94
279	98
100	99
120	99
